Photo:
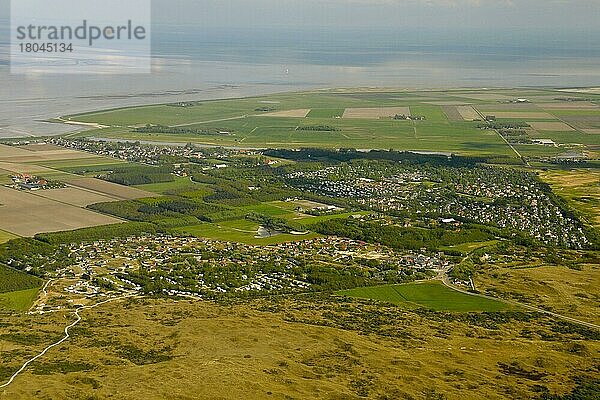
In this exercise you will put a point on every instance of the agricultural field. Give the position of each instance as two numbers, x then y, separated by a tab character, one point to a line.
359	119
432	295
75	196
375	113
468	113
326	113
551	126
108	188
26	213
300	113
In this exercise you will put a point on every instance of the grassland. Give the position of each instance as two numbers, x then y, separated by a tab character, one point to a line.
559	289
178	184
326	113
467	248
284	348
13	280
580	188
18	300
432	295
241	231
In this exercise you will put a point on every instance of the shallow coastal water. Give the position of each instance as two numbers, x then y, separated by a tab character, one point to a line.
192	64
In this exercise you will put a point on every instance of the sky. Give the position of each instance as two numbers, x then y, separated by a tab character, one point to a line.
426	14
536	15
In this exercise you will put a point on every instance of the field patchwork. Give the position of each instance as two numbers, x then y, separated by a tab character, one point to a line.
569	105
521	115
109	189
376	112
551	126
26	214
75	196
468	113
299	113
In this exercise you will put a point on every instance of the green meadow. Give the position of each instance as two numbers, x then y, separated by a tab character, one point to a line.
432	295
242	231
18	301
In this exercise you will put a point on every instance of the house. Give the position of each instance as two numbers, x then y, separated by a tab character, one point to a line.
544	142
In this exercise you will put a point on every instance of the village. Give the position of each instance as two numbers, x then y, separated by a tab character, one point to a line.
491	196
201	268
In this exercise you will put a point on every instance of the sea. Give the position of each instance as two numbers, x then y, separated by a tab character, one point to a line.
194	63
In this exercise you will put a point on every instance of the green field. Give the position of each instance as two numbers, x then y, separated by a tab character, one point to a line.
326	113
252	129
242	231
436	133
12	280
466	248
180	183
433	295
18	301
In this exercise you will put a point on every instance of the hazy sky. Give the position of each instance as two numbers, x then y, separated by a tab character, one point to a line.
445	14
426	14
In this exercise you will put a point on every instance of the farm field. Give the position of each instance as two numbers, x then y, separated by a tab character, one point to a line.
551	126
468	113
75	196
432	295
326	113
366	122
108	188
520	115
301	113
375	113
26	214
